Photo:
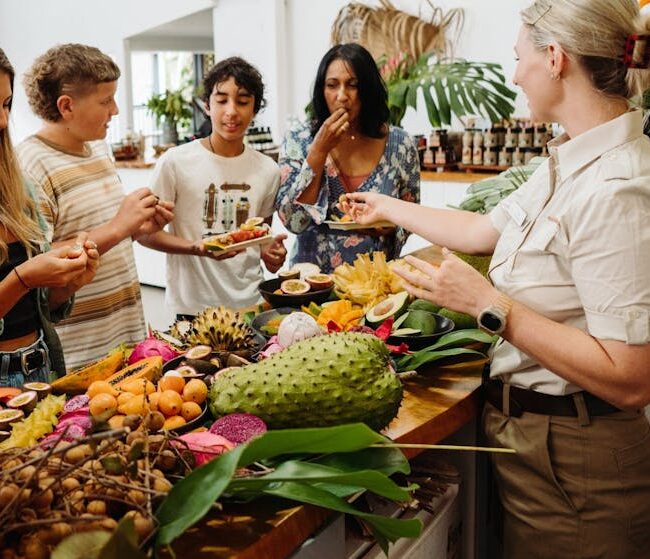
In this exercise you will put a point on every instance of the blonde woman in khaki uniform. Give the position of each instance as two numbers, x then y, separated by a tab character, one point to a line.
569	290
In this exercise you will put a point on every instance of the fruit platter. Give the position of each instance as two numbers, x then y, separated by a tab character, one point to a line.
252	232
132	450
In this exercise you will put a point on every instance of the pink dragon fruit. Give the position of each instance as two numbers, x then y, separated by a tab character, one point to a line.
150	347
206	446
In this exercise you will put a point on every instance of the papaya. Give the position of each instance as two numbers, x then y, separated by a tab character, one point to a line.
149	368
78	381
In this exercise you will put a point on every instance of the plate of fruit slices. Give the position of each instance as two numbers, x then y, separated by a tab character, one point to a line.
342	225
239	239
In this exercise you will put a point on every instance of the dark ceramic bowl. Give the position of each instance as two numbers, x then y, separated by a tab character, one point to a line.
265	317
444	325
268	287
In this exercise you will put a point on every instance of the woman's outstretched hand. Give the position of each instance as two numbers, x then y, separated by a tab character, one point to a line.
368	207
454	285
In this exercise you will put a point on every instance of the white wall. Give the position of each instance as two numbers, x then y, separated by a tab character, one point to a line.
29	27
284	38
489	34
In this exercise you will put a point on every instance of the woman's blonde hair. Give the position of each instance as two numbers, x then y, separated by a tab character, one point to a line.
17	209
595	33
69	69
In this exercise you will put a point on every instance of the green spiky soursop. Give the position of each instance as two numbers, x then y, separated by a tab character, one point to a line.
328	380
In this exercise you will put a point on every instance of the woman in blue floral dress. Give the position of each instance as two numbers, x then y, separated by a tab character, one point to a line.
347	147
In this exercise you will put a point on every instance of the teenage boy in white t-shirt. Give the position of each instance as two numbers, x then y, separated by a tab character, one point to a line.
217	183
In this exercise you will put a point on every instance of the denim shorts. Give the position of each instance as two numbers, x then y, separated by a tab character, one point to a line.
16	376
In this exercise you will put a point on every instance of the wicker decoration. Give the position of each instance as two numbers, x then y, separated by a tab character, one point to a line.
389	32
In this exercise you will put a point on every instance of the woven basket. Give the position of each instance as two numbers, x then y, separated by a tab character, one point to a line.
387	31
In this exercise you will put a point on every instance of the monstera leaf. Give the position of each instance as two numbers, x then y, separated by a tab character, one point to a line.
458	88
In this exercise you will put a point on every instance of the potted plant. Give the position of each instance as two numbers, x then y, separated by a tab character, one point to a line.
456	87
170	109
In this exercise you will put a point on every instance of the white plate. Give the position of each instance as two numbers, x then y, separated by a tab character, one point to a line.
266	240
352	225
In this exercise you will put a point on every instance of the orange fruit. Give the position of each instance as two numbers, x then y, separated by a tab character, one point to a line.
100	387
190	411
117	421
139	386
103	404
195	391
136	405
153	400
172	382
174	422
123	397
170	403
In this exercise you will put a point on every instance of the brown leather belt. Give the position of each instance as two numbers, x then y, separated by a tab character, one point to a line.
529	401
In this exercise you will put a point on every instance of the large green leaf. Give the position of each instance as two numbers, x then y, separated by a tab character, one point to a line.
192	497
303	472
383	529
412	362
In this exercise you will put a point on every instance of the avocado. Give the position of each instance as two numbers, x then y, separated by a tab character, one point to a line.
461	321
406	332
421	320
399	321
394	305
424	305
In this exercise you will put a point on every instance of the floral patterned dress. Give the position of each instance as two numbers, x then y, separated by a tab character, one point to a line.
397	174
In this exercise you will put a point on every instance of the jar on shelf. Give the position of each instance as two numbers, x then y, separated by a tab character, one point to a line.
477	141
518	156
541	136
526	137
427	160
489	139
511	138
468	138
490	157
477	155
500	135
505	157
466	156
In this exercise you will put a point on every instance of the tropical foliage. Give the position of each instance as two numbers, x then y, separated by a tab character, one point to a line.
458	88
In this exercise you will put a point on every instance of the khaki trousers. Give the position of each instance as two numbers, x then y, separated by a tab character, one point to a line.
577	488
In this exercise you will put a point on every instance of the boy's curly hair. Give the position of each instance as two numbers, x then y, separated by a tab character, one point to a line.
245	74
69	69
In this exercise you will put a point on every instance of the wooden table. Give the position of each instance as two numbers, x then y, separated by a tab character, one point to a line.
436	404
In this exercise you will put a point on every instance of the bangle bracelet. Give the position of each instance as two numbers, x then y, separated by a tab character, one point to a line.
21	280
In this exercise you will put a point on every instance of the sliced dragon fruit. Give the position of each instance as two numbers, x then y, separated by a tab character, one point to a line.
239	427
206	446
73	404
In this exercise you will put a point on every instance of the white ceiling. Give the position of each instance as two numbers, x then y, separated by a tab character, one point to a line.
197	25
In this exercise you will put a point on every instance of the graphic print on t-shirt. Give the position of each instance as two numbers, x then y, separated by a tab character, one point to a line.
225	208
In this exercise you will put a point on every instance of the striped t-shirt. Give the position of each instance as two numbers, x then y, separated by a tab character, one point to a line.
80	193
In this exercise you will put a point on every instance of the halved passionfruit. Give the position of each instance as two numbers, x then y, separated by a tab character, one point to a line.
42	389
294	287
199	352
319	281
25	402
7	417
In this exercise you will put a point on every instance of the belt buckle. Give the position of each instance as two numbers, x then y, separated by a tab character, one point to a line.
26	355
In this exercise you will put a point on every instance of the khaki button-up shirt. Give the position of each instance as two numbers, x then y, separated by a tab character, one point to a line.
575	244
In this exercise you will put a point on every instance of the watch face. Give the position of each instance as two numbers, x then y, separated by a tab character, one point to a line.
490	321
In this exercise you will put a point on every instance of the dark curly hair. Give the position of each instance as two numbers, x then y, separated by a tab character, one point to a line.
372	89
245	74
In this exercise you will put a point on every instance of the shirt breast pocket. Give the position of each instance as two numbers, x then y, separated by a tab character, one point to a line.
542	255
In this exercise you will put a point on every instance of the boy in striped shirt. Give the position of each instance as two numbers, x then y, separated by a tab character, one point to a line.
72	89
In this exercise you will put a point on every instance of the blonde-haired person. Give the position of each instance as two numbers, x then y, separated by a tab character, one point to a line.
72	89
35	286
569	291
